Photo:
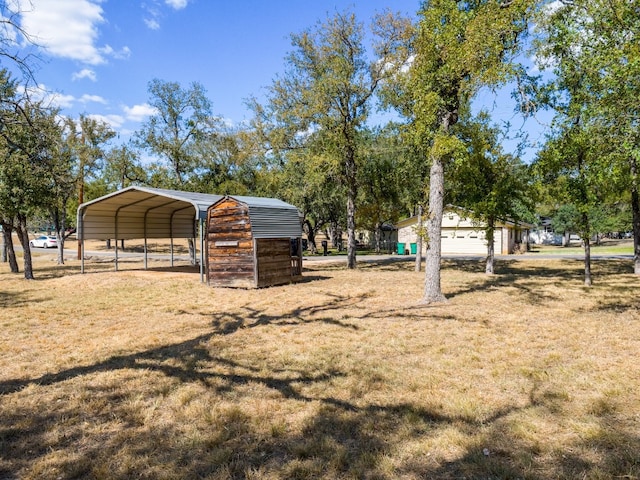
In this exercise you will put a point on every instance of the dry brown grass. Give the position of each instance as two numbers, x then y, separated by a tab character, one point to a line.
526	374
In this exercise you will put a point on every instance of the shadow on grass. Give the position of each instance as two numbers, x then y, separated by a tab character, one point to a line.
181	361
19	299
532	280
190	353
248	317
342	439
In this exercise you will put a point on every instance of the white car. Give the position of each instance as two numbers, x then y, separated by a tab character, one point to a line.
44	241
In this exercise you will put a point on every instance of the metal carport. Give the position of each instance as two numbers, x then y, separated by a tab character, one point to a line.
141	212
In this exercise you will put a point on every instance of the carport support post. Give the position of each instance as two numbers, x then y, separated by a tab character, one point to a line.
116	250
80	238
201	224
145	238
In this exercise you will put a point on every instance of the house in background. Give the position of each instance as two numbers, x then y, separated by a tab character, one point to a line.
543	234
461	235
365	239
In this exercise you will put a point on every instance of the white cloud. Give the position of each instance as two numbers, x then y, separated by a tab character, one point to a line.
57	99
86	98
115	121
152	23
60	100
176	4
41	93
84	73
138	113
66	28
121	54
154	11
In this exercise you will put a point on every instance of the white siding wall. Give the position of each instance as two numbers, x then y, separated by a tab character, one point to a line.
459	236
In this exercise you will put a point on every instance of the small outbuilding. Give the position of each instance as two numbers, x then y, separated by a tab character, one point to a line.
253	242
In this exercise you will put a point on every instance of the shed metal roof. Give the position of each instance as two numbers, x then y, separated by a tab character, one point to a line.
270	217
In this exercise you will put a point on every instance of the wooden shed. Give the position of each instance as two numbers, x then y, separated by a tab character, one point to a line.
253	242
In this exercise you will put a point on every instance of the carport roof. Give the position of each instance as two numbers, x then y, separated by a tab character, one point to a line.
143	212
154	197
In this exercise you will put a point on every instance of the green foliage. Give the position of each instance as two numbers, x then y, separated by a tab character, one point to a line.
232	162
29	174
566	219
182	119
382	182
306	180
602	218
323	100
122	168
488	183
462	47
576	164
592	49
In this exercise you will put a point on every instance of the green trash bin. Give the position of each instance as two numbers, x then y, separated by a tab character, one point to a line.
414	248
400	248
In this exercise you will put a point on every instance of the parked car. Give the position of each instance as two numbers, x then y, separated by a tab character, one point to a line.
44	241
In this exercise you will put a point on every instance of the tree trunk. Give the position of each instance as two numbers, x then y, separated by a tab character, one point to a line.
351	232
418	265
192	250
587	262
586	240
60	237
7	230
378	236
3	249
635	209
352	192
432	288
489	270
311	237
23	236
80	199
60	222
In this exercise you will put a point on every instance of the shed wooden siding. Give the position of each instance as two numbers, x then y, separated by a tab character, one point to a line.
275	262
239	254
230	248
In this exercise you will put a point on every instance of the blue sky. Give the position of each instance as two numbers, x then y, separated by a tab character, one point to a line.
99	55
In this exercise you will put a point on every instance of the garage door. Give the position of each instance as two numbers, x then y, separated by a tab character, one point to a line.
464	240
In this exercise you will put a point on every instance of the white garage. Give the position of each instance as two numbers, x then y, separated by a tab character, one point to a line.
460	235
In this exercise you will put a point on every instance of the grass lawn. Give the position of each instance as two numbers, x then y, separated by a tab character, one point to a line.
151	374
606	247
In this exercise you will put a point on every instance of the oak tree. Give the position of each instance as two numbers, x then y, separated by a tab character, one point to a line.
461	47
329	87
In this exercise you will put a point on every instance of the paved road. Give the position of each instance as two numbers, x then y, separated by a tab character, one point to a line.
71	252
411	258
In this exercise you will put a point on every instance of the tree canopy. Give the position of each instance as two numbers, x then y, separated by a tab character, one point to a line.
327	92
461	47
